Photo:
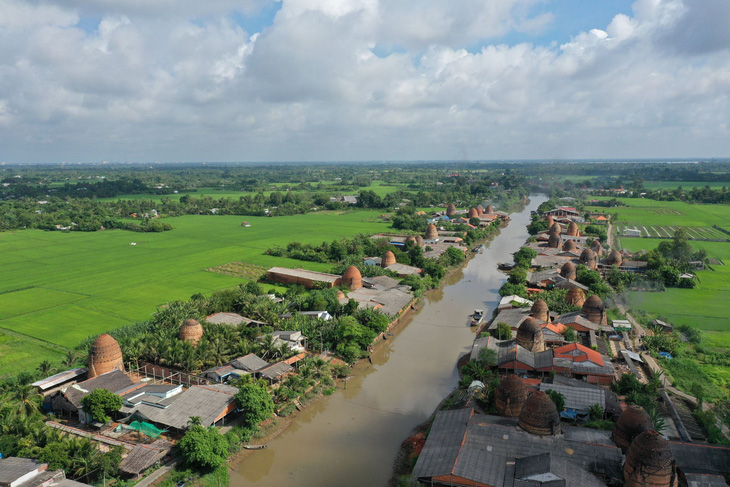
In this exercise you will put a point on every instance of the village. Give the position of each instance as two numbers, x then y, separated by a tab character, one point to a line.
147	407
568	397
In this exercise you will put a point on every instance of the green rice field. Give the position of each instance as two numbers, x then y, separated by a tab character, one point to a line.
684	184
63	287
668	213
378	187
706	306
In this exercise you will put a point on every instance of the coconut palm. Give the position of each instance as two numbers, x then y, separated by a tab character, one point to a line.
267	347
45	368
70	358
28	399
82	453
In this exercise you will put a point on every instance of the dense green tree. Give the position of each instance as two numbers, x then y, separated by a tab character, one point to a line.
524	256
203	448
502	332
557	398
101	403
255	402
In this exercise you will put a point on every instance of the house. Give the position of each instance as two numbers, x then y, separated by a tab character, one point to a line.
63	379
151	394
563	211
212	403
582	361
576	398
68	400
292	339
513	301
275	372
631	232
468	449
543	279
233	319
28	472
621	325
143	457
244	365
225	319
553	333
404	270
350	200
308	279
662	325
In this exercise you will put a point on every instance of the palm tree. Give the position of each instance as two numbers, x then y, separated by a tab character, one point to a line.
70	358
28	399
45	368
267	347
195	421
218	351
82	453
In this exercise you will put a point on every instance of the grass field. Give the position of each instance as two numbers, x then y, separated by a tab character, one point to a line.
705	306
378	187
668	213
684	184
63	287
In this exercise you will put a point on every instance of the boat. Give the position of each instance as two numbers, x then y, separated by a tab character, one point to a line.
505	267
254	447
477	317
478	248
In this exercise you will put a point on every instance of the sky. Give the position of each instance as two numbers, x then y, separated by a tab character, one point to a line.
356	80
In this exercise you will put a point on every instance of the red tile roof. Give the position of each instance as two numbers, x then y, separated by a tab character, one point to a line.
585	353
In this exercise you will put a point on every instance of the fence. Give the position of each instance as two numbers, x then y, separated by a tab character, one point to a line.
162	374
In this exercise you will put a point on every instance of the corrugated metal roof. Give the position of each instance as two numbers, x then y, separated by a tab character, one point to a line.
59	378
305	274
578	397
12	468
481	450
208	402
442	447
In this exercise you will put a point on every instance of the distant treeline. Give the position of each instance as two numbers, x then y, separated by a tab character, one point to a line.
32	200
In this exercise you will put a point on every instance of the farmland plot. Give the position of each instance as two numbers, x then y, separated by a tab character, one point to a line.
667	231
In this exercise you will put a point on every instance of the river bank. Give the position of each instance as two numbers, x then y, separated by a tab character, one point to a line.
353	436
278	425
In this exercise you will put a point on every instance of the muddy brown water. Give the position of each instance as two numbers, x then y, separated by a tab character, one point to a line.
353	436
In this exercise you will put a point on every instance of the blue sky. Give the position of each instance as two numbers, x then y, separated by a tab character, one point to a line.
260	80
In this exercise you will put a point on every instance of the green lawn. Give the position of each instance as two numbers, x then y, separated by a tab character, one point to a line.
62	287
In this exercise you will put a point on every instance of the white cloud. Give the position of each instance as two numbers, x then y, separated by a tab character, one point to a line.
194	85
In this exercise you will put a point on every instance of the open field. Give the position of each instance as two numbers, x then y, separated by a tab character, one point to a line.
20	354
668	213
378	187
684	184
705	306
63	287
665	231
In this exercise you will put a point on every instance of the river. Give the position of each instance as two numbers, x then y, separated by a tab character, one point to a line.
353	436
